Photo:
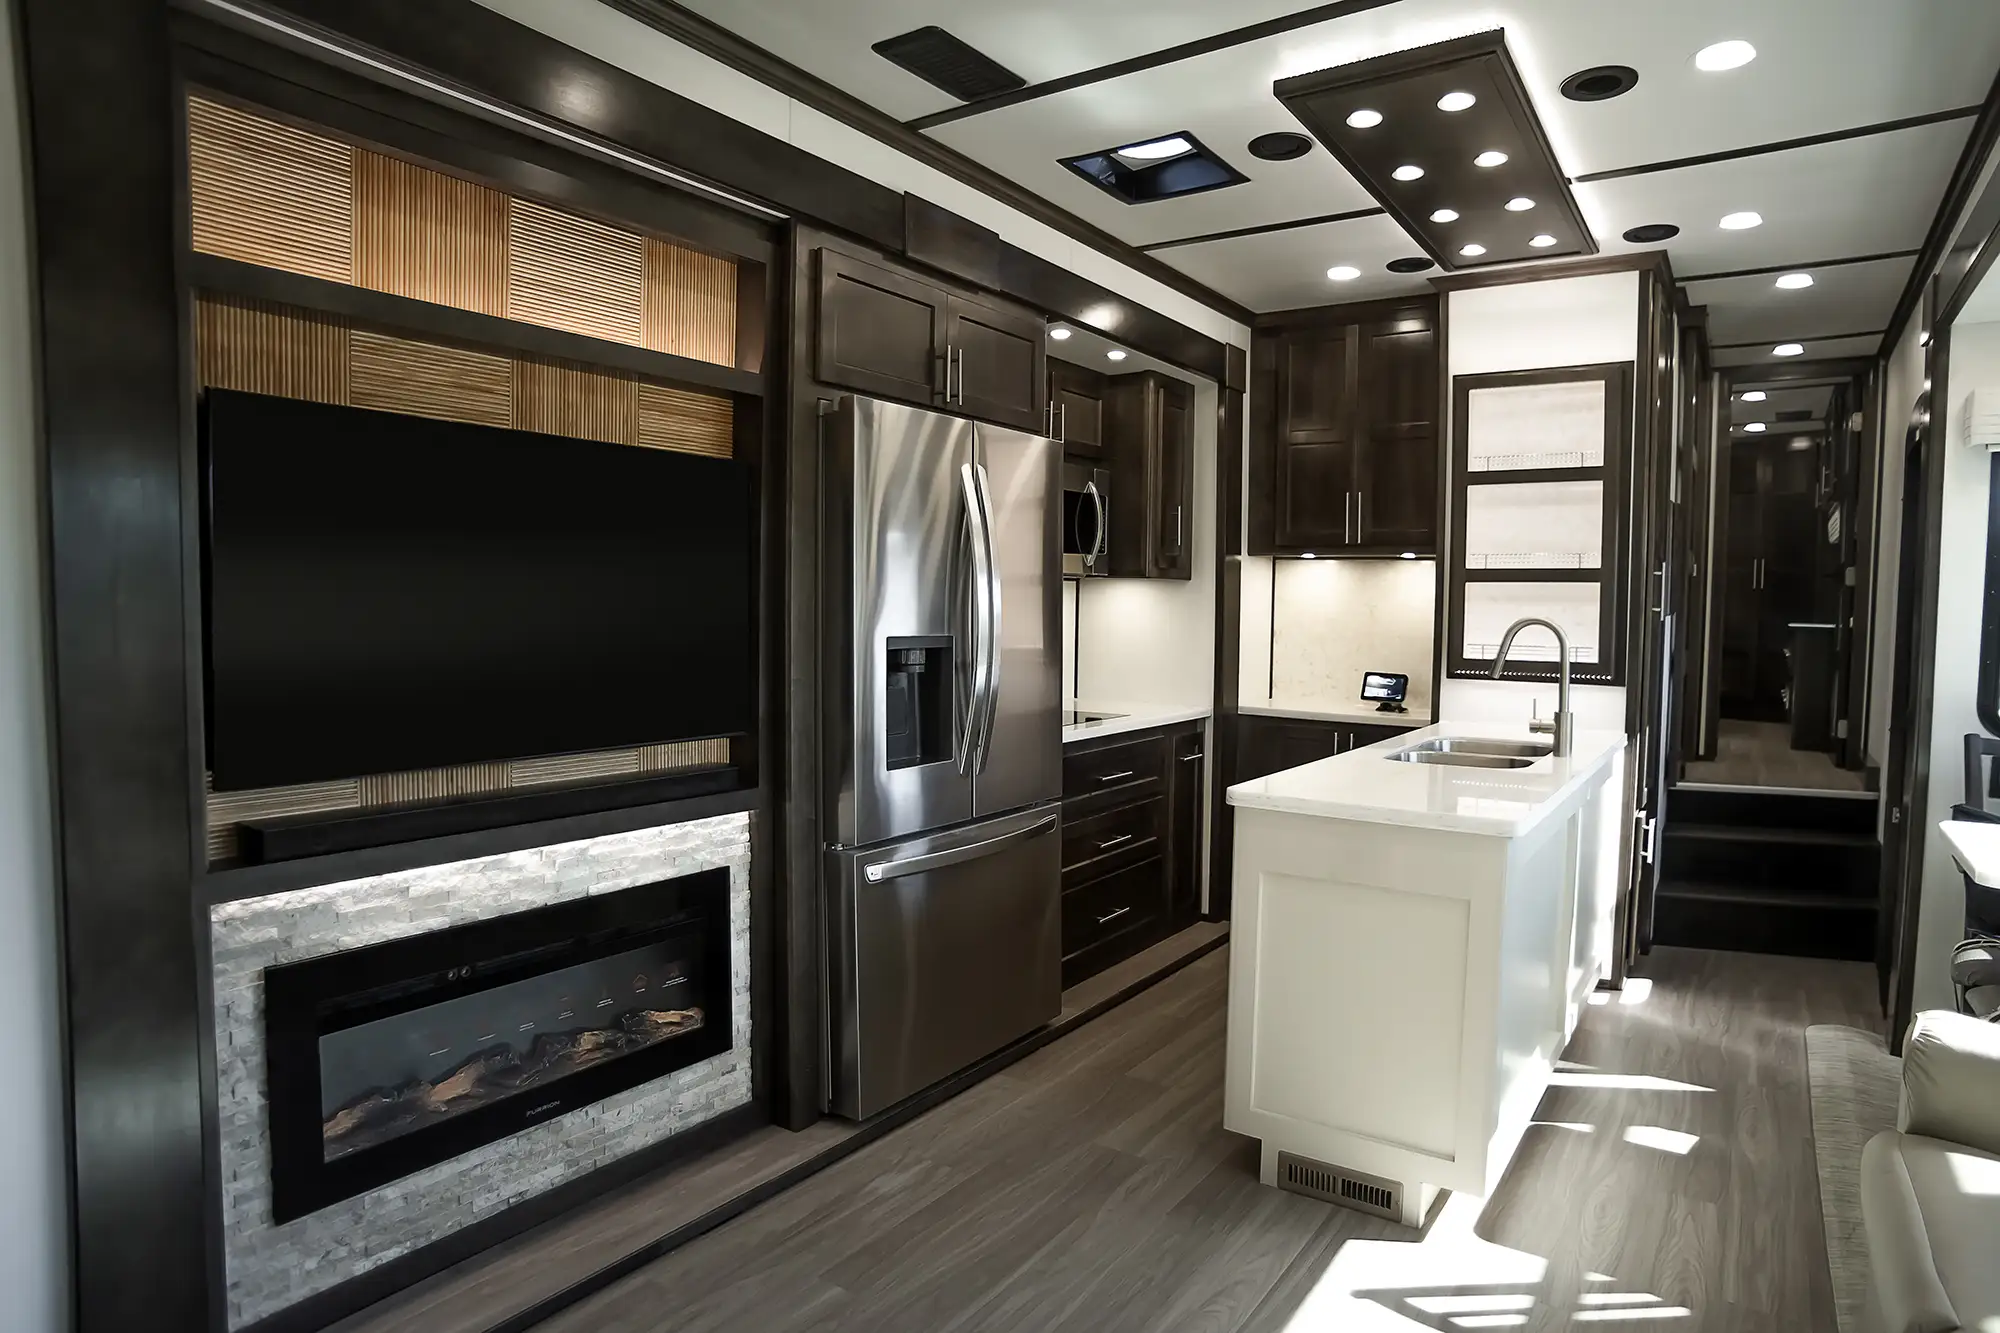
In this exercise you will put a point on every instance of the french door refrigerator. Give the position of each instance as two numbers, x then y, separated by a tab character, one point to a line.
942	671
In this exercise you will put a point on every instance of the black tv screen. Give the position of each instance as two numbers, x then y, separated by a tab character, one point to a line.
388	592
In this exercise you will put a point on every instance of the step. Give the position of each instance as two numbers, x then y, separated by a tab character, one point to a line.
1795	861
1810	925
1788	837
1848	812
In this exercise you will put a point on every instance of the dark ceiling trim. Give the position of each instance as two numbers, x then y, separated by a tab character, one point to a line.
1265	228
1797	268
1957	197
1639	262
1838	370
713	40
1201	46
1780	146
1806	338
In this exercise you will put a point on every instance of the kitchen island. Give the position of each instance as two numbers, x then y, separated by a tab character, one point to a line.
1417	926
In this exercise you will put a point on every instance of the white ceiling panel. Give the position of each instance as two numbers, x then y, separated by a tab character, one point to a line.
1037	39
1816	350
1286	270
1848	298
1831	201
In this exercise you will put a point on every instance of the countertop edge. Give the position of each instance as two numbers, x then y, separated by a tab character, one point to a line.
1359	717
1138	717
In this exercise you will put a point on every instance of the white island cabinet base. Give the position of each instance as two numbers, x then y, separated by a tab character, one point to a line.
1410	949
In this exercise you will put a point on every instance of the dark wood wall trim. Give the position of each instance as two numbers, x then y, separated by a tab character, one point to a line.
712	39
1645	261
97	93
1223	716
1979	146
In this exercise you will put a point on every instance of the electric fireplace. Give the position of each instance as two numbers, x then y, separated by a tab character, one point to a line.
386	1059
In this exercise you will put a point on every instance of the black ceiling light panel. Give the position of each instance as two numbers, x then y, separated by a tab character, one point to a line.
1652	233
1414	264
1280	147
949	65
1445	138
1165	167
1600	83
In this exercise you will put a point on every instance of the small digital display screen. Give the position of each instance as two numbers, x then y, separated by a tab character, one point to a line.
1384	686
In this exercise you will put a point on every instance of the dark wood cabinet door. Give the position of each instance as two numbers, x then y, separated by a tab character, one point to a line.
1077	395
1267	745
1396	458
1170	482
1315	447
1188	779
879	332
1002	371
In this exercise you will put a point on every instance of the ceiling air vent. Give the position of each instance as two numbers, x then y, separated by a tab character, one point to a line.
1796	414
946	63
1336	1184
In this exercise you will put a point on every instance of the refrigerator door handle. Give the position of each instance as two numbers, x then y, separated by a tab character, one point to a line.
1096	498
991	646
917	865
981	580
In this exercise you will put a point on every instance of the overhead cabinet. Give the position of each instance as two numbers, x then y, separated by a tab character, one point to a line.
1149	437
1345	442
1076	408
891	334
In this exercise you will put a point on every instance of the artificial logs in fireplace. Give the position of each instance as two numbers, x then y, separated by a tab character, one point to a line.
386	1059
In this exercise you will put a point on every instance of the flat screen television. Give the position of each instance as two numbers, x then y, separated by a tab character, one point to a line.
386	592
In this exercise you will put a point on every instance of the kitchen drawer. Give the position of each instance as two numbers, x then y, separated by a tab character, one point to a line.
1121	766
1133	899
1099	843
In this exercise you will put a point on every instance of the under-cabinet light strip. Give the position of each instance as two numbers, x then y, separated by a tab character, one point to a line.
497	110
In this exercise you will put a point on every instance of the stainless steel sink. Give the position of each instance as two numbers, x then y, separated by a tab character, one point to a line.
1479	745
1422	754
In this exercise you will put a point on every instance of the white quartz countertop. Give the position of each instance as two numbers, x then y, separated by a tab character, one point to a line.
1976	848
1136	717
1360	714
1368	786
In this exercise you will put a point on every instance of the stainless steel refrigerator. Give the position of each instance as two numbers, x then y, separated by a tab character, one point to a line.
942	669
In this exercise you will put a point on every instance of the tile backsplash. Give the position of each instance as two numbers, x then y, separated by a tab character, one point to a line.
1335	619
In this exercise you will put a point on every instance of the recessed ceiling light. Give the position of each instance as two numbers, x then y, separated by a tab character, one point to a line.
1307	555
1725	55
1343	273
1281	146
1408	173
1755	396
1158	150
1059	333
1474	250
1543	242
1756	427
1413	264
1788	349
1800	442
1492	157
1116	354
1743	221
1409	555
1793	282
1445	215
1365	119
1456	101
1650	232
1520	204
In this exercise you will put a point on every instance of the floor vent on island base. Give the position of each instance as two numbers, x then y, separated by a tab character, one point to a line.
1335	1184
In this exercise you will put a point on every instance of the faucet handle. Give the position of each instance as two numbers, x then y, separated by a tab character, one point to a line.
1537	727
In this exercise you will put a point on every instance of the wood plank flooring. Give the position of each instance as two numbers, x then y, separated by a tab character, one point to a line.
1092	1187
1760	754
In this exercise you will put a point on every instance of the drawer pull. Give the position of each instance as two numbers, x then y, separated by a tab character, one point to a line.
1113	916
1190	758
1113	777
1113	842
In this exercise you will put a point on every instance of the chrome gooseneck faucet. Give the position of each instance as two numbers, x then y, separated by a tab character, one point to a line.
1563	724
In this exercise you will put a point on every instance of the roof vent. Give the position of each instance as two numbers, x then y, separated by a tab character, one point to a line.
948	64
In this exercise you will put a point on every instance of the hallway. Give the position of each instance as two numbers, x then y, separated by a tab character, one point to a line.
1760	754
1091	1187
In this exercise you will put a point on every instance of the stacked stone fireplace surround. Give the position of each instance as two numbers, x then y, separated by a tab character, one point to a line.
270	1267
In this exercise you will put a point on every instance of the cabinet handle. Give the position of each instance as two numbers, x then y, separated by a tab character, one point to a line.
1360	521
1109	843
1180	540
1113	777
1113	916
1347	516
1661	609
1062	423
1190	758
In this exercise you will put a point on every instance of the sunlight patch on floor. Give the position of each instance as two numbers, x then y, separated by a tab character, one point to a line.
1630	1082
1666	1140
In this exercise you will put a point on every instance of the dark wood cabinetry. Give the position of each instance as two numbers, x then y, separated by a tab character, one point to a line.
891	334
1345	443
1076	401
1132	839
1267	745
1149	437
1768	574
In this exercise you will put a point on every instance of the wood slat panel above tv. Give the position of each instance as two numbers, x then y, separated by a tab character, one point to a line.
266	192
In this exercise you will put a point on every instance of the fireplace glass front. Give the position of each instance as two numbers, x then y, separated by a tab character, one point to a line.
388	1058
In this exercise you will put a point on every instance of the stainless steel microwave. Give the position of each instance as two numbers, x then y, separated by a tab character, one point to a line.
1086	520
